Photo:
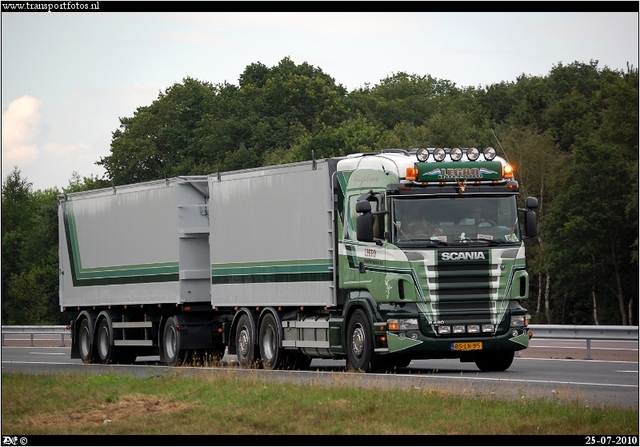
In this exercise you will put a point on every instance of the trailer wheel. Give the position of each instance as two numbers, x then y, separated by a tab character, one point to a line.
494	361
85	344
105	346
245	343
173	355
272	354
359	343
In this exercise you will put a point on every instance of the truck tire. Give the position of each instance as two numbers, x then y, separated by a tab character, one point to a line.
493	361
105	344
173	355
359	343
272	353
85	343
245	343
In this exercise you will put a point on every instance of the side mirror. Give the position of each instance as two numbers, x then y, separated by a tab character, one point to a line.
530	223
532	203
364	227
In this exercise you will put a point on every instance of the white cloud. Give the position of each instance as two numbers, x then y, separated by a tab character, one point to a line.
21	129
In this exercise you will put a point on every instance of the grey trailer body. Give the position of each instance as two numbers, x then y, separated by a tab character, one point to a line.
271	236
131	245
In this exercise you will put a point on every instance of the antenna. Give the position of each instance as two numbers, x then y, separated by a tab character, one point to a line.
498	141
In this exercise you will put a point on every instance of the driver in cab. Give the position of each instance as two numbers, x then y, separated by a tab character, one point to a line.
476	218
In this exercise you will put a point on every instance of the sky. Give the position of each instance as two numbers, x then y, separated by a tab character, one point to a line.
67	77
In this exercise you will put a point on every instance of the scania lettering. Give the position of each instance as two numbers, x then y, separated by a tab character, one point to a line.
462	255
377	259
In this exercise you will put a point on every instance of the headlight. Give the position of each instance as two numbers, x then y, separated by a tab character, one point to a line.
444	329
408	324
402	324
517	321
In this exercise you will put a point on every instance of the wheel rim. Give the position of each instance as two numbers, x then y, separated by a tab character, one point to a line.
243	342
103	342
170	342
357	341
268	344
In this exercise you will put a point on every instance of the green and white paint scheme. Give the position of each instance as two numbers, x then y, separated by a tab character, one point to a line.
463	277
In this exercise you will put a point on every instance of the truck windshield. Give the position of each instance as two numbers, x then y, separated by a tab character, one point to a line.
433	222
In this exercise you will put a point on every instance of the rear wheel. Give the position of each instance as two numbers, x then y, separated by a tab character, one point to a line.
85	343
173	355
245	343
360	354
105	346
272	353
494	360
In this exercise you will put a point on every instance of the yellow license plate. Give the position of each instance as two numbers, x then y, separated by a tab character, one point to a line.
470	346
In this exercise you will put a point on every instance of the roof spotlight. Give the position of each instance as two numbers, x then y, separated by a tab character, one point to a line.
439	154
422	154
489	153
456	154
473	153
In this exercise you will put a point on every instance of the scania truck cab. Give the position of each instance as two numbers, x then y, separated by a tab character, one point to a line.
434	235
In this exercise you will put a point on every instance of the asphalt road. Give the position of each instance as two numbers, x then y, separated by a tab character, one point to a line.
553	369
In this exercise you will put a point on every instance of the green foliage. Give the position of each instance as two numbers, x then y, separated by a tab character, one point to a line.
572	136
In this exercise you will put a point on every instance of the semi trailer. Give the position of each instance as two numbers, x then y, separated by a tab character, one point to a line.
374	258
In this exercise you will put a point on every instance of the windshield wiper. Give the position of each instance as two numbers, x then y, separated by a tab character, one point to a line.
471	239
423	240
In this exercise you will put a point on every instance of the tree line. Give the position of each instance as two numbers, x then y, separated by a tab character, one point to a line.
572	136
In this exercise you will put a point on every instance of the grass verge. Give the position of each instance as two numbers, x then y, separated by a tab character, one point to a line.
225	404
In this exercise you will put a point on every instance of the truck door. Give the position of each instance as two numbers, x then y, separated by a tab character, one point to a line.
371	218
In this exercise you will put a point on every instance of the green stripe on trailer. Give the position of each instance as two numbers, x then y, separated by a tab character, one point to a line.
272	271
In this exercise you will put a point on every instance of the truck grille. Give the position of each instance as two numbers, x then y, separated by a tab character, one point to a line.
464	291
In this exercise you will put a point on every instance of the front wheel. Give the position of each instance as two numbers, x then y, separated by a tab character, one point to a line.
359	343
493	361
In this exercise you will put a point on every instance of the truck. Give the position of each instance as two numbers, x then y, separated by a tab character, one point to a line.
373	258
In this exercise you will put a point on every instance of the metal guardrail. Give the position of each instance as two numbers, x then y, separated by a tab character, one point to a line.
557	331
33	330
588	333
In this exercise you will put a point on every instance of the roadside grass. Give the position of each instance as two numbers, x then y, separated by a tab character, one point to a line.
226	404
